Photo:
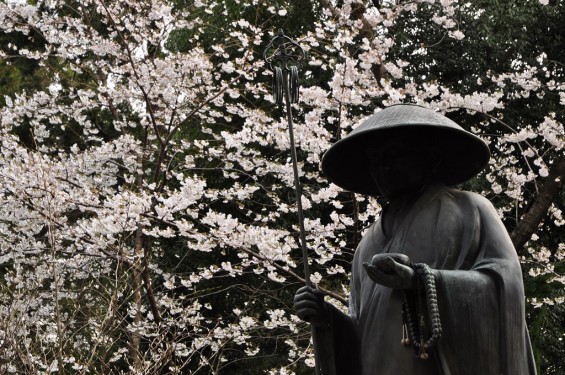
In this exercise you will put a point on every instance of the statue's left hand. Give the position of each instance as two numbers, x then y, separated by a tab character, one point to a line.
391	270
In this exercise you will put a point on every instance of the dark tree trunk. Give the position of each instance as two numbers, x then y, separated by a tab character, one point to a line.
551	187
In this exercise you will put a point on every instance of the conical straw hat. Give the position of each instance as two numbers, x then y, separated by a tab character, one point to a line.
463	154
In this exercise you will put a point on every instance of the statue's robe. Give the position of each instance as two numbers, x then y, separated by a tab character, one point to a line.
479	286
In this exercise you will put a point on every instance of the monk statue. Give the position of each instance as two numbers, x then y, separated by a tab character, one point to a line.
436	285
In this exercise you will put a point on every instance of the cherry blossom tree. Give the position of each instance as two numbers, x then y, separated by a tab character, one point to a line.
148	223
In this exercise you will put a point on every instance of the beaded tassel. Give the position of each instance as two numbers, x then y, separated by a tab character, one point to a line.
405	337
423	345
412	331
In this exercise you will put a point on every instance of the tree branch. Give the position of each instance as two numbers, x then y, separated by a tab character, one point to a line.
366	31
552	185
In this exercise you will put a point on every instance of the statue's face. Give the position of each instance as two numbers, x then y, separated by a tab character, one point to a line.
401	169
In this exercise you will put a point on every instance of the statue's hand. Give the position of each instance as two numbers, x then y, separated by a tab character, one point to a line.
391	270
310	306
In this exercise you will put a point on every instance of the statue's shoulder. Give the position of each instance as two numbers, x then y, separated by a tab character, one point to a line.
466	199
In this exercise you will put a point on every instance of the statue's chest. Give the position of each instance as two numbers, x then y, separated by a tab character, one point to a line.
414	238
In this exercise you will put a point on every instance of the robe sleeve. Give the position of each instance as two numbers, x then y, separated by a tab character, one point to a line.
482	307
339	345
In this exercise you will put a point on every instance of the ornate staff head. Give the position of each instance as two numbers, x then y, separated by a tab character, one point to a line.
284	57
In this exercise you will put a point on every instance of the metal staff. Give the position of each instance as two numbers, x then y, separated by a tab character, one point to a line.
284	56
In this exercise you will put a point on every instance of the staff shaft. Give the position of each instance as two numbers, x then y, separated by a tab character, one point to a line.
298	193
297	187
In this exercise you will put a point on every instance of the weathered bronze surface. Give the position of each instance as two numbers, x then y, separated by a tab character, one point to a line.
410	155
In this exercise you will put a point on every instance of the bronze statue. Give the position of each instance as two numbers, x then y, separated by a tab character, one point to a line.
436	285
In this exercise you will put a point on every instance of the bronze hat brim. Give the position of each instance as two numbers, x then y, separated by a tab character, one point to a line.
463	154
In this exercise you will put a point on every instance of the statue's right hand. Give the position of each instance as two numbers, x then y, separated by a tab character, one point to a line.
310	306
